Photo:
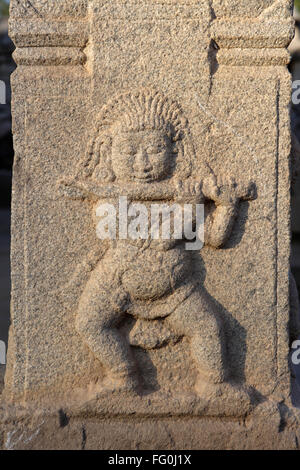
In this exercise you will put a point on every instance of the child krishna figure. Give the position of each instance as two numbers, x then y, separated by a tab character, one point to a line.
142	149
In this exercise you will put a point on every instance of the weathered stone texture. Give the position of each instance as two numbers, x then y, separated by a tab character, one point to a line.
217	73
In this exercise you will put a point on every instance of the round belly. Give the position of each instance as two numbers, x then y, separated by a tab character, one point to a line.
154	274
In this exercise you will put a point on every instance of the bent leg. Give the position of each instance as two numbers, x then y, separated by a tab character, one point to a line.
197	318
99	314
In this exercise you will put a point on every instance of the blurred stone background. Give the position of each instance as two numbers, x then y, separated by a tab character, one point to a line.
6	159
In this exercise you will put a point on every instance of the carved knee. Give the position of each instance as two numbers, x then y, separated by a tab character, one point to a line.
81	324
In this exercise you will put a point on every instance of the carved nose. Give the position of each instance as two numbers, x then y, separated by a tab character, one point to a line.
142	162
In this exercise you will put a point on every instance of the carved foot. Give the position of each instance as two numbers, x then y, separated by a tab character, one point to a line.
119	383
102	391
224	396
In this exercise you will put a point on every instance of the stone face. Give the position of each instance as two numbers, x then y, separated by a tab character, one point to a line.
178	103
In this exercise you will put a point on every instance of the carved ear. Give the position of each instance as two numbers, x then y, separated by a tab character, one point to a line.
184	151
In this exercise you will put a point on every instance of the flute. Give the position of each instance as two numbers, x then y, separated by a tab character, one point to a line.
164	191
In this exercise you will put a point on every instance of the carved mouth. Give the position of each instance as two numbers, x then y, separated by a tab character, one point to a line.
143	177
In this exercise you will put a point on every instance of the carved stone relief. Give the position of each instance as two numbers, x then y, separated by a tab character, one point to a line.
142	149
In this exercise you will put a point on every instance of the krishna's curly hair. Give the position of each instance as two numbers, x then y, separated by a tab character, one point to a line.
143	109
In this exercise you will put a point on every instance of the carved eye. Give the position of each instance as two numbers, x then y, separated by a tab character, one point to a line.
156	149
129	151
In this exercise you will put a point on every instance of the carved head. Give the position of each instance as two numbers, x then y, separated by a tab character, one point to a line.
142	155
139	136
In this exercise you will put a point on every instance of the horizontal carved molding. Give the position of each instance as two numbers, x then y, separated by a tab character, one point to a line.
226	33
42	33
252	8
49	56
54	39
48	9
253	33
245	57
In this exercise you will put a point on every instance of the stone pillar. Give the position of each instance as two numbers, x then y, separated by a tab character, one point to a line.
182	102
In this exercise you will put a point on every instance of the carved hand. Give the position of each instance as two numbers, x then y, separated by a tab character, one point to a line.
225	191
226	194
189	191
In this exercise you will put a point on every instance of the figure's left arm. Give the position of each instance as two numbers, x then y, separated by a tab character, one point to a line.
226	194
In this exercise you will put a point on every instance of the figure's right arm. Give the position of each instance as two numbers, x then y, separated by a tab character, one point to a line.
87	188
84	189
